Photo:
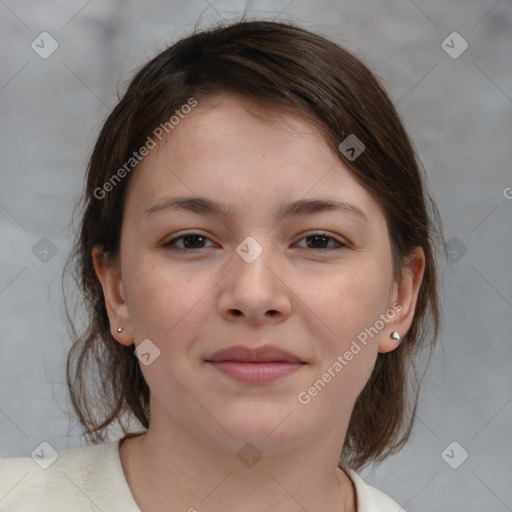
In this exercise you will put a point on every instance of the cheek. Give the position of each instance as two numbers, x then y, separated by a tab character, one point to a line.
348	301
334	390
345	359
349	305
165	304
161	298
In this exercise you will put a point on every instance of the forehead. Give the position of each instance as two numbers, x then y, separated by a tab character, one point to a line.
233	150
227	125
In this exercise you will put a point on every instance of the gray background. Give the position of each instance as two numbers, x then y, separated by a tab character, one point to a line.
459	113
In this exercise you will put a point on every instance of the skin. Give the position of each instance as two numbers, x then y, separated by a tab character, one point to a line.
310	301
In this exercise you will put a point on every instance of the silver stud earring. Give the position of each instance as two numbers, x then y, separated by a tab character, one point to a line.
120	328
396	336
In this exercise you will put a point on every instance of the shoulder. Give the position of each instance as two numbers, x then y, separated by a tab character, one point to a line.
370	499
76	479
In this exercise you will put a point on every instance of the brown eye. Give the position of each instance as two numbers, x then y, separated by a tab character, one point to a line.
188	241
322	241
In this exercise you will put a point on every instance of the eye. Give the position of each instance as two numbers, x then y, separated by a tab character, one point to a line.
191	241
188	241
322	241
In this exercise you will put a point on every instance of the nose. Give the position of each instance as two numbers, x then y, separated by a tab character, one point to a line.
255	292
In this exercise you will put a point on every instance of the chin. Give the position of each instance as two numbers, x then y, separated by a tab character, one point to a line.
271	428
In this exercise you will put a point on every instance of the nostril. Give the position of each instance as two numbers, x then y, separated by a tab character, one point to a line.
270	312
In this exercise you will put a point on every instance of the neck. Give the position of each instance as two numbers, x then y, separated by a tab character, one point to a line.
169	469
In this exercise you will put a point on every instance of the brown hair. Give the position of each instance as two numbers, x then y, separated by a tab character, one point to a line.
284	67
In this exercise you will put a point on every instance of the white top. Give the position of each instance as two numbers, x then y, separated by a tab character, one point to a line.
91	478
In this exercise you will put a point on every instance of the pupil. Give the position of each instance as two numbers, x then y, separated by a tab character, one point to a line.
317	238
197	240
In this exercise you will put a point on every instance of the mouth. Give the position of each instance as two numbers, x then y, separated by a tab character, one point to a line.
255	366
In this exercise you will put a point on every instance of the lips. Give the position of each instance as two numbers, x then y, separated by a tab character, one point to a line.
259	366
265	354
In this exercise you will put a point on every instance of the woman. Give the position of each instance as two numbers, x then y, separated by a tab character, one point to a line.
257	258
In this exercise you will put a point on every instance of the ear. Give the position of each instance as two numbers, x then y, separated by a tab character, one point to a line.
109	275
405	294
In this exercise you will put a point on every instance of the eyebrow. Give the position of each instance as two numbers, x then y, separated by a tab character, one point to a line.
207	206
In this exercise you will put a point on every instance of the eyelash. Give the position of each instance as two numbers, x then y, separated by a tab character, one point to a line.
172	243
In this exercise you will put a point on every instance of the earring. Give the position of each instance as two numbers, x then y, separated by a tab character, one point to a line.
396	336
120	328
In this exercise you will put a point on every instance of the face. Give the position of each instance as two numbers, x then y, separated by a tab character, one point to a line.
296	256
